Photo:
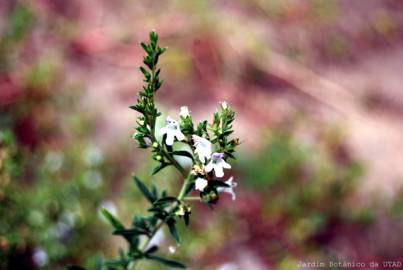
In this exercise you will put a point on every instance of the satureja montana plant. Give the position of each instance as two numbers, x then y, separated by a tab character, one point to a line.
209	144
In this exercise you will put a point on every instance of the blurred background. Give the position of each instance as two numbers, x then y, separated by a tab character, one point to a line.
317	87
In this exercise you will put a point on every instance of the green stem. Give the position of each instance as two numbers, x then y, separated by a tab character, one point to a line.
191	198
160	223
182	171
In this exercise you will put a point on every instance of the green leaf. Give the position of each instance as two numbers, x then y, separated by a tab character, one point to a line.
160	167
144	189
165	200
122	263
130	232
153	37
172	230
144	71
186	218
112	219
75	267
154	192
146	48
99	263
152	249
137	108
167	262
183	153
216	183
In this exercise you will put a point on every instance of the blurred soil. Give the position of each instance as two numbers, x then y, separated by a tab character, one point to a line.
345	67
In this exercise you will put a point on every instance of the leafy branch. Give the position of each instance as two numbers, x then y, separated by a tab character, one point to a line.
166	210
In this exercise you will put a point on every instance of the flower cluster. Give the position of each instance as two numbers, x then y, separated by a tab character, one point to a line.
210	147
207	145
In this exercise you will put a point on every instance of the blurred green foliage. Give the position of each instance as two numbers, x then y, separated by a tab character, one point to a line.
49	202
50	186
307	188
20	21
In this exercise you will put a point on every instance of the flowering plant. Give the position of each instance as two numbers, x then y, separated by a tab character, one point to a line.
209	146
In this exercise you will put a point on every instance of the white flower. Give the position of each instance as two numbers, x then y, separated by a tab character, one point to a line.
184	111
172	249
203	148
224	105
200	184
40	257
172	130
229	189
217	163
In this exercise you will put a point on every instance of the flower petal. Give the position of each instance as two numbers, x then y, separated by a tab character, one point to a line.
163	130
209	167
200	184
219	171
225	165
184	111
179	135
170	138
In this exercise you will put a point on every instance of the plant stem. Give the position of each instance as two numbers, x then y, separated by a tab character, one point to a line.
191	198
160	223
182	171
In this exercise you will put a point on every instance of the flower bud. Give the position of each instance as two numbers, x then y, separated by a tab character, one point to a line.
209	196
184	112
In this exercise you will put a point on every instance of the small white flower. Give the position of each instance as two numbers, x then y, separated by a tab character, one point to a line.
172	130
203	148
172	249
229	189
200	184
147	141
184	111
40	257
224	105
218	164
93	156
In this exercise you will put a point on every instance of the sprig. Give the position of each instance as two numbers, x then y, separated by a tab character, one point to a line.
167	210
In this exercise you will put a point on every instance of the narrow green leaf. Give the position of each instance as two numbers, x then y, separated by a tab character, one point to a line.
122	263
186	218
172	230
167	262
112	219
145	47
153	37
160	167
154	192
165	200
144	71
144	189
75	267
152	249
99	263
216	183
183	153
130	232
